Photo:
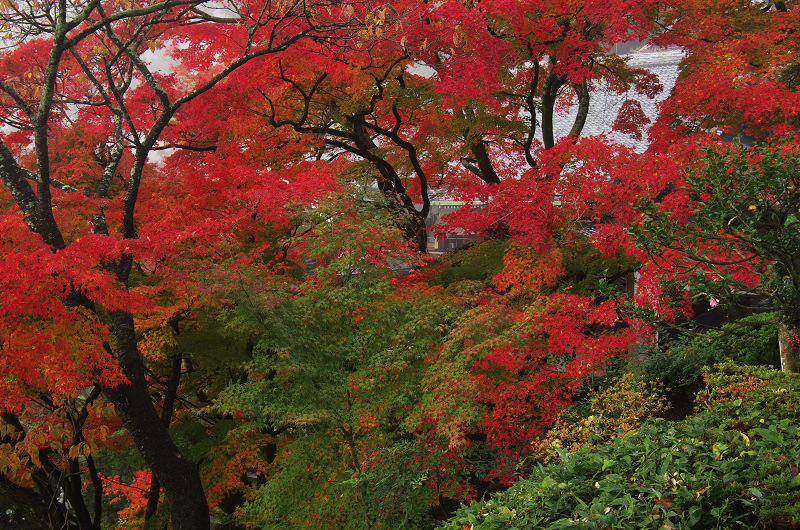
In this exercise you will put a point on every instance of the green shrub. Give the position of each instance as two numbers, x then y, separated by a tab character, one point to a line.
680	365
733	465
479	262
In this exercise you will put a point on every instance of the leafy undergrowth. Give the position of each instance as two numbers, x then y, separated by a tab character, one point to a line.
679	366
732	465
478	262
622	407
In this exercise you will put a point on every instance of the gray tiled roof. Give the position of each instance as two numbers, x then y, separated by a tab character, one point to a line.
604	104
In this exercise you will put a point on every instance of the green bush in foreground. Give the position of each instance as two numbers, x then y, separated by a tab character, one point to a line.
733	465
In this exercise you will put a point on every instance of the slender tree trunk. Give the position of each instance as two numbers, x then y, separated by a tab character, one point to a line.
789	346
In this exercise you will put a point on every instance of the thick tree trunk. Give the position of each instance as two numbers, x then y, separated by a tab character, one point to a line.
414	230
178	477
171	392
789	347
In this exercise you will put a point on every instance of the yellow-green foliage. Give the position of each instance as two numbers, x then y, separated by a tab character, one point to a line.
622	407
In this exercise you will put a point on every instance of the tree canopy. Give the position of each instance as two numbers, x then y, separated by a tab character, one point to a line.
213	226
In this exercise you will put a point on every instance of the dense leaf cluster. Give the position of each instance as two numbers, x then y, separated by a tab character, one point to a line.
732	465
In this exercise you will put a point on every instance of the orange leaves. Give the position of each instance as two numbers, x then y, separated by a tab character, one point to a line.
525	270
43	441
85	449
132	496
154	345
20	451
238	452
13	467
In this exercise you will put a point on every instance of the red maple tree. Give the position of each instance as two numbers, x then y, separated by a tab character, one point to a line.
92	224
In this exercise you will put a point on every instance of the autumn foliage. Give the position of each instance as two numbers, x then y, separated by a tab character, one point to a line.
213	228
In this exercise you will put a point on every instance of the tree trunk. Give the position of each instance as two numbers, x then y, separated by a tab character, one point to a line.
178	477
789	347
415	231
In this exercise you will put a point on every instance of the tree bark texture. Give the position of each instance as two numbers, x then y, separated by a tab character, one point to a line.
789	348
178	476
